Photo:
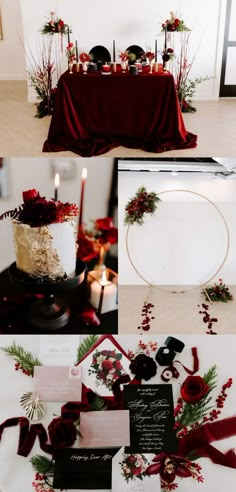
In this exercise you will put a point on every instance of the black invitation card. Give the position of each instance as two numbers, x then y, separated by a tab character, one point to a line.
151	418
83	468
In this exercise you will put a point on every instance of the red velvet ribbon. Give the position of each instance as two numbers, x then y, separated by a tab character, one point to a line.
199	440
28	435
195	362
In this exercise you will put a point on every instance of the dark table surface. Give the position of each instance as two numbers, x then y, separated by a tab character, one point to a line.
15	309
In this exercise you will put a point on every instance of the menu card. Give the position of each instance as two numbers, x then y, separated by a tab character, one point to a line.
83	469
151	418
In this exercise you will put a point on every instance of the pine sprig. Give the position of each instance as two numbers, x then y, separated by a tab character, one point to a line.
192	413
98	404
25	359
41	464
85	346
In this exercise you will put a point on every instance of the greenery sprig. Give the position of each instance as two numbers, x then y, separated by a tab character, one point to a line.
143	202
218	292
85	346
192	413
24	359
41	464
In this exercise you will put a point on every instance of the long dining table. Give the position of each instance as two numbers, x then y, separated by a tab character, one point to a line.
97	112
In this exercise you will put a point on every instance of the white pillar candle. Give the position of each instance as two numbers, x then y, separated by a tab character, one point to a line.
109	296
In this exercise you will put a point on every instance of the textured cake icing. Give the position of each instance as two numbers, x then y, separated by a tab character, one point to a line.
45	251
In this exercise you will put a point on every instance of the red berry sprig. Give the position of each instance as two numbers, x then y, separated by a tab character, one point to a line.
220	400
18	367
146	312
207	319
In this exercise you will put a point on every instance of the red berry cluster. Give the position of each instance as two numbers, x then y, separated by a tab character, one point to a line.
178	410
25	371
207	319
146	311
38	476
223	395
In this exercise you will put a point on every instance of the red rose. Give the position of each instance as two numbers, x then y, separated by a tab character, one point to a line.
107	365
62	433
29	194
61	23
84	57
117	364
137	471
193	389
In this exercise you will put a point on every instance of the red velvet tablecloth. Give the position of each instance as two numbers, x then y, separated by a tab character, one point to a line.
95	113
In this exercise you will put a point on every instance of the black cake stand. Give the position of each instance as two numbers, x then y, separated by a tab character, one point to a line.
46	313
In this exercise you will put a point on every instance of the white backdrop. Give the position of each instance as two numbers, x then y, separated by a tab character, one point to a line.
185	241
100	22
16	472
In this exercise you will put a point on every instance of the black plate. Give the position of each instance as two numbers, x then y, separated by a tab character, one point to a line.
100	54
137	50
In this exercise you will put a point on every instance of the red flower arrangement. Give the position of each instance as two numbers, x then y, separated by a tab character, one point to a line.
174	24
84	57
171	466
71	52
133	466
218	292
36	211
101	236
54	25
143	202
124	55
107	367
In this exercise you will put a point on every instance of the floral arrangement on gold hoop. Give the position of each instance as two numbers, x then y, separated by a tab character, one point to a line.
174	23
54	25
142	203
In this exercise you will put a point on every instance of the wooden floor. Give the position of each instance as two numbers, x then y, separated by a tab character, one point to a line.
22	135
174	313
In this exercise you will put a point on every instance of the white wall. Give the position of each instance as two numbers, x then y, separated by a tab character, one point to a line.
28	173
12	58
133	22
185	242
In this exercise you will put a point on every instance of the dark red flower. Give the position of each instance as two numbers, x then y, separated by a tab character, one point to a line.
62	433
193	389
84	57
61	23
143	367
29	194
107	365
169	467
117	364
103	224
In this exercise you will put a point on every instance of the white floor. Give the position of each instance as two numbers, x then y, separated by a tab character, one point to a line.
175	313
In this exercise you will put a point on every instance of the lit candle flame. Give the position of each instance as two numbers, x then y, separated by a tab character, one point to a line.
57	180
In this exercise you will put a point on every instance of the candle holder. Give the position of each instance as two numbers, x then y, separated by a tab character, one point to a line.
103	289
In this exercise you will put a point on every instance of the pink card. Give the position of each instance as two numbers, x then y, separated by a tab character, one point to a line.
58	383
104	429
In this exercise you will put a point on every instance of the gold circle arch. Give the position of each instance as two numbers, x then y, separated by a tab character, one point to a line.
195	287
